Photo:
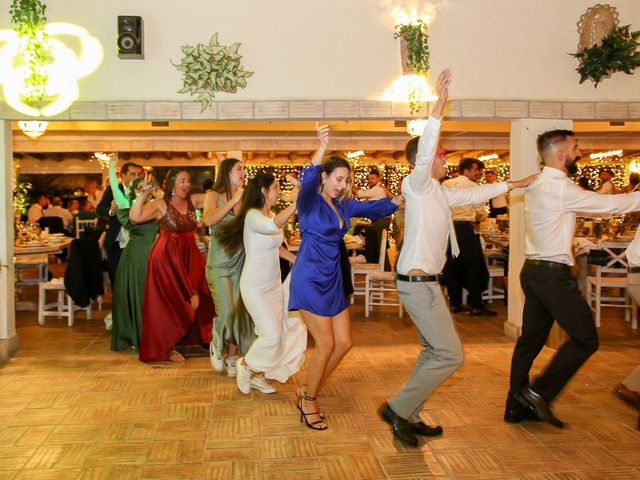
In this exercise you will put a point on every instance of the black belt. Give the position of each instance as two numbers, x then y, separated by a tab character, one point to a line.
463	221
633	269
418	278
546	264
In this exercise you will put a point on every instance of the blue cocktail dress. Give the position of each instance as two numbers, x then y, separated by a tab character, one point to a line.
316	278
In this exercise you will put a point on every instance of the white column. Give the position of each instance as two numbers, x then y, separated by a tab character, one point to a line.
524	162
8	337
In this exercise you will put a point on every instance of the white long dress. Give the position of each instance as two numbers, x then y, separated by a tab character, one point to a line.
281	341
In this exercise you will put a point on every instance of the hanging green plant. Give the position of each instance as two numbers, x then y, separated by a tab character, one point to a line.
617	52
414	54
210	68
21	197
29	19
416	42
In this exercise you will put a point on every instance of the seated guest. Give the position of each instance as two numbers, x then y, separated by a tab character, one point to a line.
606	185
500	204
36	211
57	210
93	194
73	206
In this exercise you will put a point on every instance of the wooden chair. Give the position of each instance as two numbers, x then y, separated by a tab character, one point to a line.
63	307
359	270
380	289
82	225
613	277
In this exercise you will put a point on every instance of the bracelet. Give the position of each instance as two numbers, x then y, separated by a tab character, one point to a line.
509	185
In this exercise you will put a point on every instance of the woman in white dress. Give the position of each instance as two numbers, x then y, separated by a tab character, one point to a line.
278	351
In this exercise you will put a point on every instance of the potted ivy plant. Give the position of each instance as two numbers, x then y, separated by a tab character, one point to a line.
29	20
414	55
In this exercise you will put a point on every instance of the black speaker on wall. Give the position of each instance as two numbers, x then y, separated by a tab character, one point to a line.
130	37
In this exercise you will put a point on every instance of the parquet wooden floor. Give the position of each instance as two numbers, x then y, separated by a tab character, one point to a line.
72	409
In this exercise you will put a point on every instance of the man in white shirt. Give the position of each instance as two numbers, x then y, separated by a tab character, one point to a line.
469	269
629	389
93	194
36	211
57	210
428	225
551	292
500	204
606	184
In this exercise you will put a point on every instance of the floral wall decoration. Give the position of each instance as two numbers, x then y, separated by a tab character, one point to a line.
605	48
211	68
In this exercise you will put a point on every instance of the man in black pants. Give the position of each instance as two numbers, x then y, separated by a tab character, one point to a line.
114	239
551	292
469	269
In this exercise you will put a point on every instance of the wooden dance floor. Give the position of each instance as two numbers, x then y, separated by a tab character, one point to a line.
72	409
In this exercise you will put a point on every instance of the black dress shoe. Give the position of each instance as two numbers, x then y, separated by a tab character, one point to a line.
460	309
518	414
425	430
538	405
399	426
482	312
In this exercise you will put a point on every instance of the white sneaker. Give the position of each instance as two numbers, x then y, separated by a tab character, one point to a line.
230	364
262	385
243	379
217	362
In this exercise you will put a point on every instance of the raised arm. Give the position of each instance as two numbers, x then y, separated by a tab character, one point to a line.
457	197
121	200
323	136
212	212
142	210
575	199
427	145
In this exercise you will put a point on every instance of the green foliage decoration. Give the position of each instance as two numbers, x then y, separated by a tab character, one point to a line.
21	197
416	38
210	68
29	19
617	52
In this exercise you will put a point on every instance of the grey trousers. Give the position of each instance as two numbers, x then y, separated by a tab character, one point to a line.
442	354
632	382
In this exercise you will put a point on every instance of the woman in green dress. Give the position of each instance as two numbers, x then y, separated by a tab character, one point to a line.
126	304
233	330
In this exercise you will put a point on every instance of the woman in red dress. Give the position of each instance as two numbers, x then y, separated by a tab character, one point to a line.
177	308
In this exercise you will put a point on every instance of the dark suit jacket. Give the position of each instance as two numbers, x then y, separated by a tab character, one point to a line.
114	225
83	276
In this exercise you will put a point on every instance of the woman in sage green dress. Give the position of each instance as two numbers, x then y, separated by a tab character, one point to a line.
233	329
126	305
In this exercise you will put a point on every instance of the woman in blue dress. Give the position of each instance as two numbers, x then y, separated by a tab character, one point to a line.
317	288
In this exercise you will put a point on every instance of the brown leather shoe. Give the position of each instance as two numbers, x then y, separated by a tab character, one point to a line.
629	396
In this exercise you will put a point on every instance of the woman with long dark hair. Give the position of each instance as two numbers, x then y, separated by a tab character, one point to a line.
177	308
232	327
278	351
317	287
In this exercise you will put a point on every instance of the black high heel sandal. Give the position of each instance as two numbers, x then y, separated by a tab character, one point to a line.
303	416
299	394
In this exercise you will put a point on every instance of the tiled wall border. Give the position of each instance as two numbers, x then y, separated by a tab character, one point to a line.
337	109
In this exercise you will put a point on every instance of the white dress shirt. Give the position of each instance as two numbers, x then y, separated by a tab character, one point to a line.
377	192
428	208
123	234
35	213
633	250
500	201
63	213
551	204
468	213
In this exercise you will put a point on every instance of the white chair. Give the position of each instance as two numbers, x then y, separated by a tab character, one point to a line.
493	291
82	225
380	289
64	307
612	276
361	269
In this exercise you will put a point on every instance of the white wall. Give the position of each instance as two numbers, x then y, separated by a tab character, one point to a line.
332	49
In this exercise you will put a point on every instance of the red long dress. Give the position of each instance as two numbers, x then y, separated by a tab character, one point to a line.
176	269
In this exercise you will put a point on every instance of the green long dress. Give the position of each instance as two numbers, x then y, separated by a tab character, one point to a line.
232	323
128	289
